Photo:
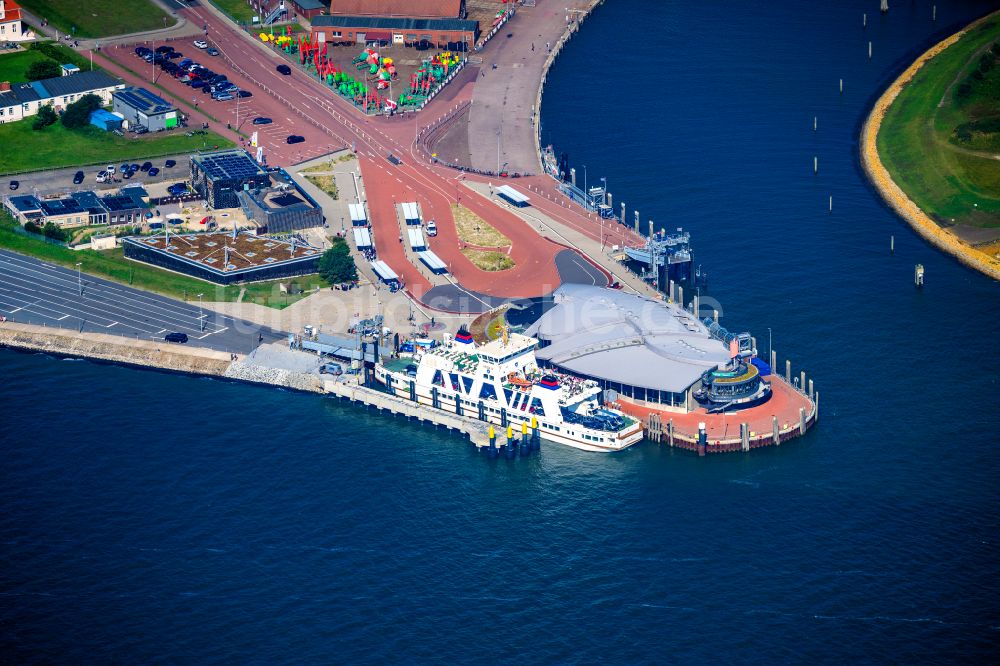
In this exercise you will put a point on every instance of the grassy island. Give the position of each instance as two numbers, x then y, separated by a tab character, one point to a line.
932	144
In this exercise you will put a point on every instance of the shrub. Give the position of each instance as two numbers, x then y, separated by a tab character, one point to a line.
51	230
42	69
46	116
32	228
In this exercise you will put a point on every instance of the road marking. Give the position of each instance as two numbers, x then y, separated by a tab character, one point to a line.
111	324
61	318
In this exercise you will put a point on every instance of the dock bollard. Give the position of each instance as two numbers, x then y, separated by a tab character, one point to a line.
536	439
511	449
525	440
702	439
492	450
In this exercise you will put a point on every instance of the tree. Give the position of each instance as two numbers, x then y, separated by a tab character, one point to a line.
52	230
43	69
46	116
77	114
32	227
336	264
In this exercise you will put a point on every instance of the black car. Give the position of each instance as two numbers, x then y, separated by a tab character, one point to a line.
284	69
244	93
164	49
175	54
14	184
295	138
197	83
146	166
262	121
169	164
78	178
176	337
212	52
153	171
141	50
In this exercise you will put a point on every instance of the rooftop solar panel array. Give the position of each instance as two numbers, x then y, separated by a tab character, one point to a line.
236	166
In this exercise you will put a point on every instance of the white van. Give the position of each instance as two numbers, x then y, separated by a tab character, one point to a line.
432	229
102	176
111	168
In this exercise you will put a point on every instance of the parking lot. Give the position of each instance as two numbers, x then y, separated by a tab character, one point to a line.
239	113
34	292
59	181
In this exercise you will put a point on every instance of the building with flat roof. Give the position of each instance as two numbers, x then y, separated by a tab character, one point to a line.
283	208
65	212
24	208
224	257
22	100
219	175
645	350
399	8
451	33
142	108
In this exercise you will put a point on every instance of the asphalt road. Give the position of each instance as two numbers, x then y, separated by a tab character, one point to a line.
35	292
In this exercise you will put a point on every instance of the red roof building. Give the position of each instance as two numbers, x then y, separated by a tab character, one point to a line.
421	9
10	21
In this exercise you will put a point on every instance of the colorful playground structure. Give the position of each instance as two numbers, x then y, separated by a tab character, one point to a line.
370	89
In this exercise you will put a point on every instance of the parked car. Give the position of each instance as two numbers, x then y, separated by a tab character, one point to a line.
295	138
212	52
169	164
128	174
173	55
176	337
102	176
284	69
164	49
331	369
261	120
78	178
153	172
222	96
185	63
133	167
432	228
197	83
14	184
123	168
146	166
141	51
201	43
244	93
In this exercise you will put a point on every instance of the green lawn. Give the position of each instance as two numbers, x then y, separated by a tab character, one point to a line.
112	265
99	18
917	140
238	10
14	64
55	146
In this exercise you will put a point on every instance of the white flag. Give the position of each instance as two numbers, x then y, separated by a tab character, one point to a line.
253	140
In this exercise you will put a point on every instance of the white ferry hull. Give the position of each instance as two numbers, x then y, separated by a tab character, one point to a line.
515	419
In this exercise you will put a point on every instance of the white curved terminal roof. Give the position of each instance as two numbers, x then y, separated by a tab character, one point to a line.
618	337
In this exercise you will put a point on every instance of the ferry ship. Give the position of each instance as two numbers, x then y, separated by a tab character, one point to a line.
501	382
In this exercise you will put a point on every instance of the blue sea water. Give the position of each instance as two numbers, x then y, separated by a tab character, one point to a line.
149	517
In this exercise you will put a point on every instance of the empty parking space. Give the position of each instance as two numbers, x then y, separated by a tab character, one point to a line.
35	292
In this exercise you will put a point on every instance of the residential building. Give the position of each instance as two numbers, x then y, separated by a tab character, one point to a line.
22	100
12	29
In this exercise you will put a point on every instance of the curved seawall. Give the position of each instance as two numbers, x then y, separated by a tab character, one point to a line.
893	194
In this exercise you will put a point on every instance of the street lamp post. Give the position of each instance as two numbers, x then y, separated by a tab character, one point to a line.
586	192
79	278
201	316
